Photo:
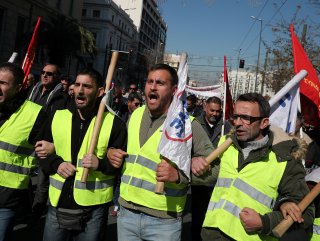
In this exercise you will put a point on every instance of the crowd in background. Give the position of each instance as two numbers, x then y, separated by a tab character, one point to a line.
70	106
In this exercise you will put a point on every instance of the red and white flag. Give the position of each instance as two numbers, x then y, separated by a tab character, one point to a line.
176	140
309	86
31	52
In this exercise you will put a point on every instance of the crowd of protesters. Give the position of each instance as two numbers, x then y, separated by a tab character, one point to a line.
46	128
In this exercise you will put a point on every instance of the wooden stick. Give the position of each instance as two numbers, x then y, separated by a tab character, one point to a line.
99	118
159	189
285	224
219	150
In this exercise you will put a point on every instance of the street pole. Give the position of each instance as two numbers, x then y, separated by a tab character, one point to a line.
257	70
236	82
264	72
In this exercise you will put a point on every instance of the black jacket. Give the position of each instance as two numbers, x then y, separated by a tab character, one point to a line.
214	132
50	165
52	100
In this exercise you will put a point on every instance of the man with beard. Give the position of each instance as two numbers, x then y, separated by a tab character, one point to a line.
77	209
212	122
145	215
20	121
256	175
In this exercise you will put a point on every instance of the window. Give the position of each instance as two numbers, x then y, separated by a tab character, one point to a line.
20	33
84	12
96	13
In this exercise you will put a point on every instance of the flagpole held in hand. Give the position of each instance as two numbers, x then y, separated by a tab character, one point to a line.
285	224
220	149
98	122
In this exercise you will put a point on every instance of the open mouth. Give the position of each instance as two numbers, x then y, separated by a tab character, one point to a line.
80	99
153	97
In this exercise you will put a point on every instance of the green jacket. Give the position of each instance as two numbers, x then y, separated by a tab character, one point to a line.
291	187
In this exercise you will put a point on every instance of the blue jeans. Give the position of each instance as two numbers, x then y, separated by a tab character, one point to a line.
52	231
139	226
6	223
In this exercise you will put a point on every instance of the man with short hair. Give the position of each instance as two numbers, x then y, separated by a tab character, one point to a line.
134	102
20	122
145	215
256	175
192	107
118	102
212	122
78	209
133	87
49	92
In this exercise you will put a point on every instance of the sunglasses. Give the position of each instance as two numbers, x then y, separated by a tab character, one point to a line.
47	73
132	88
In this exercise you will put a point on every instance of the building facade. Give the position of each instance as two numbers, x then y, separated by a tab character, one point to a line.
244	81
113	30
18	19
152	31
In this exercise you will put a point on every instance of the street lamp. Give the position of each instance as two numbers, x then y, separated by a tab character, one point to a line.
259	19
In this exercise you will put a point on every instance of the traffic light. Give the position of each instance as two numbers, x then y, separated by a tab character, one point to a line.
241	64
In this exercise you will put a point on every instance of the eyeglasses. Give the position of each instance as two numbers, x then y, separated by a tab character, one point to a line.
137	104
246	119
133	89
47	73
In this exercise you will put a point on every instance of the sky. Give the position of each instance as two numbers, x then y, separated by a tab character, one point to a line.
209	29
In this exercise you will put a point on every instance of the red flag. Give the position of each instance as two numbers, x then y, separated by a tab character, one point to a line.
228	104
28	59
309	86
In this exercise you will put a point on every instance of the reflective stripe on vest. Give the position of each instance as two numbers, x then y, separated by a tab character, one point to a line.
99	187
316	230
139	172
19	150
17	157
255	186
14	169
247	189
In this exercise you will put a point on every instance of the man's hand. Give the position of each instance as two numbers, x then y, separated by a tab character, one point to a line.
90	161
199	166
250	220
166	172
44	148
116	156
66	169
291	209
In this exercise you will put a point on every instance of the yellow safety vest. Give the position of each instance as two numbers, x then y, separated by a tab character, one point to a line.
139	172
99	187
17	156
316	230
255	186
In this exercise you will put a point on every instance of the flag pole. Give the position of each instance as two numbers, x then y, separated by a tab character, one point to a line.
99	118
224	94
175	104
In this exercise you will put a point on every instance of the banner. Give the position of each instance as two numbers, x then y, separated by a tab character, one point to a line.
284	105
176	139
31	52
205	92
309	87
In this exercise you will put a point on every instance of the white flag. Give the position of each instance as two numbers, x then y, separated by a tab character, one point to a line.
284	105
176	139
